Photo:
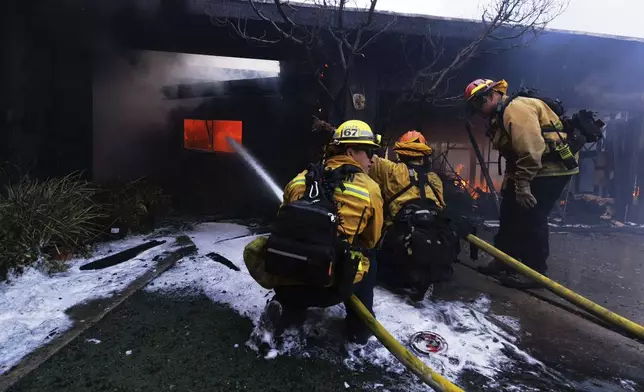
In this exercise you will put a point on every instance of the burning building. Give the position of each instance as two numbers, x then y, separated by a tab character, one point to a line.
125	89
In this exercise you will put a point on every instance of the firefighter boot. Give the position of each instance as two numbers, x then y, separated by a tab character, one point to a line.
518	281
494	268
272	315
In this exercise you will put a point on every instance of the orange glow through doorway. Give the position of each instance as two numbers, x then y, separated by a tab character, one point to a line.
210	135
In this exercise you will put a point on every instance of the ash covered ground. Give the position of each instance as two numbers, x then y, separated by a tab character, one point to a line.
188	331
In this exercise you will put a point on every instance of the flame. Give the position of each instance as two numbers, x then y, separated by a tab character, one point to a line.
473	189
210	135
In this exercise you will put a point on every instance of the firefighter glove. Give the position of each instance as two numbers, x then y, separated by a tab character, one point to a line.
524	195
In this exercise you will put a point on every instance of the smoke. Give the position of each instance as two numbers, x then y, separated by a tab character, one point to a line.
129	113
198	68
134	128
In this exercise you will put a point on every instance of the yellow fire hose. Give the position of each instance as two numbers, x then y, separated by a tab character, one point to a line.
411	362
560	290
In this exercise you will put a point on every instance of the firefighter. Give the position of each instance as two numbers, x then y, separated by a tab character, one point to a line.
296	247
531	138
412	151
420	243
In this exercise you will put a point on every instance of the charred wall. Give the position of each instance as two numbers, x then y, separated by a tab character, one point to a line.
46	98
141	101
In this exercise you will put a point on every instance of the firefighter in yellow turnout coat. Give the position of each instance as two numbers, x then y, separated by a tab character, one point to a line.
419	244
531	138
358	202
394	177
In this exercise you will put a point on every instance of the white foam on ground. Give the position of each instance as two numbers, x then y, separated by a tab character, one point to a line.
475	342
220	283
92	340
628	385
511	322
32	306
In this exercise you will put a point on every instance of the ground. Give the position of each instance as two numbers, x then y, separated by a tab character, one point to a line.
607	268
185	343
188	331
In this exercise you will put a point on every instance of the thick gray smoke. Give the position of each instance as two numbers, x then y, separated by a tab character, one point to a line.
132	117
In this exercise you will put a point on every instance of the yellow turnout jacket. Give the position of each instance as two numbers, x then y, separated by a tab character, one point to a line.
393	177
361	197
523	144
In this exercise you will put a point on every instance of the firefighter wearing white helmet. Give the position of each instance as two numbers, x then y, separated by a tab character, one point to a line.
293	260
530	136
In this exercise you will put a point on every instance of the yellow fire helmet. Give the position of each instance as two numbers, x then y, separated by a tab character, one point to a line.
355	132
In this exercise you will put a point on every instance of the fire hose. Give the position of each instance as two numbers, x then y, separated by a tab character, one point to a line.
409	360
438	382
563	292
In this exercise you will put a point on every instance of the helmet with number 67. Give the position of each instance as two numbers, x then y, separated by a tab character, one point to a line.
355	132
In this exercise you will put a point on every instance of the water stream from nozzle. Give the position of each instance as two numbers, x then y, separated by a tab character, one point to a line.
257	168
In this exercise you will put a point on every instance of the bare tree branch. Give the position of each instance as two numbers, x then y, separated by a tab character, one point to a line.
272	22
375	36
278	5
372	8
341	14
331	36
505	25
509	23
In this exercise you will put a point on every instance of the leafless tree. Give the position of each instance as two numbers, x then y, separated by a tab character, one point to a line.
505	25
334	37
329	28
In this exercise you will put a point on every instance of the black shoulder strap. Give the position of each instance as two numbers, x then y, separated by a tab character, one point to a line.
334	178
313	178
432	187
523	92
422	180
412	181
420	183
500	111
423	176
554	104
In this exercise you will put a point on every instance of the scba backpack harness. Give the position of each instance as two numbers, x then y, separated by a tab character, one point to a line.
422	238
306	245
581	128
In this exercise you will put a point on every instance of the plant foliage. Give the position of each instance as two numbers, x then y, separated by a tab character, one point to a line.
45	220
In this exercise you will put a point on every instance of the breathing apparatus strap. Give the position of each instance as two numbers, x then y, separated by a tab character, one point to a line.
420	182
400	193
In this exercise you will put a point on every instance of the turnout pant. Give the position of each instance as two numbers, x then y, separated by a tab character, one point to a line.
296	299
523	233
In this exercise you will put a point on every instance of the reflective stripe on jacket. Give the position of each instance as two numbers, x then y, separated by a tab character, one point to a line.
522	142
361	193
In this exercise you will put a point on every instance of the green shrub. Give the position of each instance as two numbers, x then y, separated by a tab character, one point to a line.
135	206
46	220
